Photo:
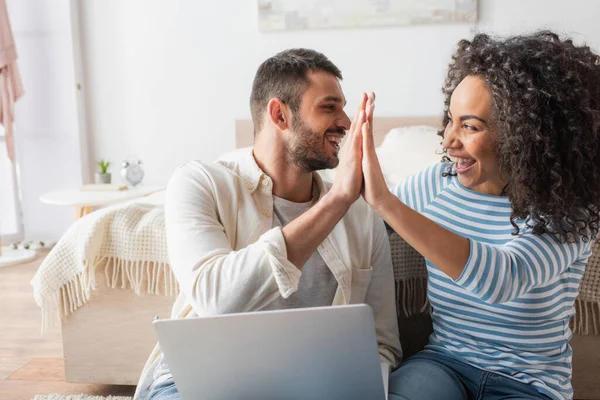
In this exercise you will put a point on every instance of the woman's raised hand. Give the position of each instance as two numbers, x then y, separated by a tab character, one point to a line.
375	190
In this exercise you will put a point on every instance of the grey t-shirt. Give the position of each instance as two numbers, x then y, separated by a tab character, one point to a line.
317	284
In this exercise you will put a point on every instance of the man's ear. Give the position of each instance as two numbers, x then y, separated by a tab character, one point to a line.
279	114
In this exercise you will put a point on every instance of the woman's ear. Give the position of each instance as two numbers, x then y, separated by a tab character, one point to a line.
279	114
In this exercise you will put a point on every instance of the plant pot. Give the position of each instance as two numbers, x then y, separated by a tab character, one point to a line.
102	178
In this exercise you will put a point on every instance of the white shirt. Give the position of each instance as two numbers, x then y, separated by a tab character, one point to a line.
228	257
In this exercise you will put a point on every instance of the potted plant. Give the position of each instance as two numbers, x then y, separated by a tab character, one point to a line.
103	176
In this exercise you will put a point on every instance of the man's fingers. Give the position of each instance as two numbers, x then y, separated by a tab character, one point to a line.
361	107
350	139
357	121
358	136
367	137
355	125
357	132
362	102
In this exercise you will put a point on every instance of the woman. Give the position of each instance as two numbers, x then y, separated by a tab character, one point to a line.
506	223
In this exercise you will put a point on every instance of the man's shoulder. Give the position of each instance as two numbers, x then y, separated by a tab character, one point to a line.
199	173
199	168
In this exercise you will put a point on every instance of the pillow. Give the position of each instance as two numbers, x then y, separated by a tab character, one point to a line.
404	152
408	150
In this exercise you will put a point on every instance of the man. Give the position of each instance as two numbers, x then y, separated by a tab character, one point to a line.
264	231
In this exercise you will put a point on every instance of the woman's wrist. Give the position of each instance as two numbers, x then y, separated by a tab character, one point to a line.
384	203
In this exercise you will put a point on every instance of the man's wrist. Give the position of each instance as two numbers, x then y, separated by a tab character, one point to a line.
337	203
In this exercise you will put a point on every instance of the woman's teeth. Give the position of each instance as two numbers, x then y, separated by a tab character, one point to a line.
463	162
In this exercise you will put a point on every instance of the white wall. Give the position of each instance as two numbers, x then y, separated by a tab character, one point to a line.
46	131
166	79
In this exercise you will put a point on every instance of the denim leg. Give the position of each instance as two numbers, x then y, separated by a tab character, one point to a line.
164	391
423	377
499	387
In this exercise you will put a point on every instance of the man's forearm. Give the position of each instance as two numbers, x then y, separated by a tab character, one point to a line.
304	234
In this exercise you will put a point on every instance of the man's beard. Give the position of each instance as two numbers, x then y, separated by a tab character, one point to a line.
307	149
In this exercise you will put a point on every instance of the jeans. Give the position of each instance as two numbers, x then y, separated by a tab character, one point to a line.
164	391
428	376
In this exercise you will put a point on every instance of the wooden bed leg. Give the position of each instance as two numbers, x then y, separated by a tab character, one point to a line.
81	211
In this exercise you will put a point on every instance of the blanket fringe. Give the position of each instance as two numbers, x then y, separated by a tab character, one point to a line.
143	277
412	295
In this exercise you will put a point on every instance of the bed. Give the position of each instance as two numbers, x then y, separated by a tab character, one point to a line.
108	337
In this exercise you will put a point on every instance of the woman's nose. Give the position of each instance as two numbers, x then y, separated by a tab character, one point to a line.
450	139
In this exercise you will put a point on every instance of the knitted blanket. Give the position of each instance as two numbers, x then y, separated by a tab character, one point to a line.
129	239
587	305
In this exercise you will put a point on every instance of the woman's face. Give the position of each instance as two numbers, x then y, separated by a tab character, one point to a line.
471	139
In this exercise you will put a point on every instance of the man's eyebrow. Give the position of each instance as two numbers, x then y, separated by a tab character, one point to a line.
334	99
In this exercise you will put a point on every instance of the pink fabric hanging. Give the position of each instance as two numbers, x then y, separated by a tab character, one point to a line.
11	87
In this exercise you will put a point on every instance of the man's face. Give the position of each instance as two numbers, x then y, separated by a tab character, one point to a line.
319	125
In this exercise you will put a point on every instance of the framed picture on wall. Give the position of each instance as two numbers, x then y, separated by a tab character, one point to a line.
285	15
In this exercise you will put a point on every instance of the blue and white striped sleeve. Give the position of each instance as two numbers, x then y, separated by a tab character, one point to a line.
501	274
418	190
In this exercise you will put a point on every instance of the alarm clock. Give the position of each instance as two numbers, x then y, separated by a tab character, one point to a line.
132	172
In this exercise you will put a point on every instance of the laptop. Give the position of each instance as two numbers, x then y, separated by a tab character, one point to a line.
305	353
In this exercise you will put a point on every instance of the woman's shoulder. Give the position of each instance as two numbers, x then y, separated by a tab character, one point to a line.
438	175
444	170
418	190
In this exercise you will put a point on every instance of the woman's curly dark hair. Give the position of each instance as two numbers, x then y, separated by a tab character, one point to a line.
546	107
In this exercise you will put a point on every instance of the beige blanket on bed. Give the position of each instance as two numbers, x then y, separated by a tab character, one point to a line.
130	238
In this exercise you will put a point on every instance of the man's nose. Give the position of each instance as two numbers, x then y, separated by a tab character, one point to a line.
344	121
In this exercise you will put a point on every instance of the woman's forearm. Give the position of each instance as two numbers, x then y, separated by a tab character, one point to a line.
448	251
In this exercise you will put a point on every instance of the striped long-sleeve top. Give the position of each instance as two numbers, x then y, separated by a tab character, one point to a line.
509	310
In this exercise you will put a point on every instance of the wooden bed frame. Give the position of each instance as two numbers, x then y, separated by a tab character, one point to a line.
109	339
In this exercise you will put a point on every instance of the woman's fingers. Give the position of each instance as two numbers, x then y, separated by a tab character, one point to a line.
367	139
370	107
367	134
